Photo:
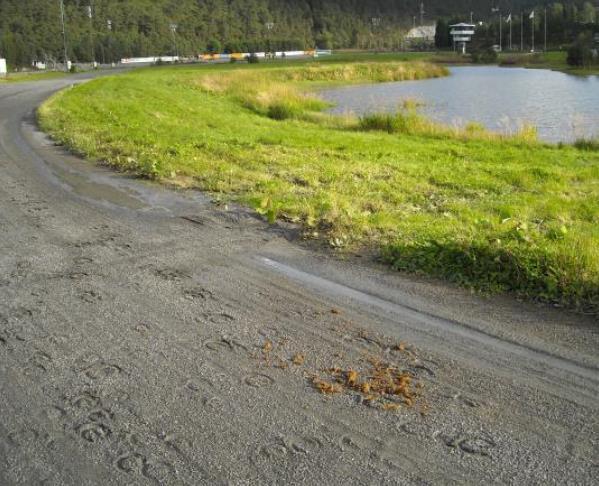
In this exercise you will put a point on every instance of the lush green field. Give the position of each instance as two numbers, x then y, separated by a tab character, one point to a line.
475	208
33	76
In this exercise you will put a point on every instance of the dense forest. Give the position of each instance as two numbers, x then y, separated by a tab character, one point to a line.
108	30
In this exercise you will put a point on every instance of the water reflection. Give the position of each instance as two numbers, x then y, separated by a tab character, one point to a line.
562	107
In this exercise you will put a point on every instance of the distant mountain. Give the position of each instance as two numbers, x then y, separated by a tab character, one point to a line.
31	29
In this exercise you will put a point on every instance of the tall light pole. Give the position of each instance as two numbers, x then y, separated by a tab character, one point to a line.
500	28
545	43
173	33
510	21
269	26
64	36
109	27
532	23
91	32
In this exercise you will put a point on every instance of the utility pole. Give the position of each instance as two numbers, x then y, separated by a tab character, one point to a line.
421	14
64	36
471	17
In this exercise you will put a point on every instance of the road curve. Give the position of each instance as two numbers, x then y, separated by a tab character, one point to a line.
147	336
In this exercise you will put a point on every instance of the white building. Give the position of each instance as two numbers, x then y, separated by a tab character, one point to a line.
462	34
422	36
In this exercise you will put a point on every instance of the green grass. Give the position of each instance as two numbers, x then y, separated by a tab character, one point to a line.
487	212
31	76
555	60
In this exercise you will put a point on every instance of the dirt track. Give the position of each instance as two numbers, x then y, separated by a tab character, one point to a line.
148	337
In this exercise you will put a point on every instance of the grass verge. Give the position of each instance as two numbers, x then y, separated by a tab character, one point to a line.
487	212
555	60
31	76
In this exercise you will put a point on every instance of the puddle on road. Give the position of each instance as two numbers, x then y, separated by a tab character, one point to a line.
105	187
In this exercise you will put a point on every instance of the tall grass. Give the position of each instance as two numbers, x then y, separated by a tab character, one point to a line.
280	93
407	121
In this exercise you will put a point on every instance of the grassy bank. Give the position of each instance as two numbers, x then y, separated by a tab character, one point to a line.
484	211
31	76
555	60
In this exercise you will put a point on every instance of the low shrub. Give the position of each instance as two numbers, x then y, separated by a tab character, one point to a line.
587	144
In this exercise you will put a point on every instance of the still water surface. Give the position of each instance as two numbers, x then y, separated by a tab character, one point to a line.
562	107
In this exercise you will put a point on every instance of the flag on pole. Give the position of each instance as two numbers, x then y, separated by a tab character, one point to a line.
532	15
509	18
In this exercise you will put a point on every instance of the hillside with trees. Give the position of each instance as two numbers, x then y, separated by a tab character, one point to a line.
31	29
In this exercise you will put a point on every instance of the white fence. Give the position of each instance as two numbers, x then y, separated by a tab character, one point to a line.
148	60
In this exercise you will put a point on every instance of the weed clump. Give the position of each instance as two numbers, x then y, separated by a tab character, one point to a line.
407	121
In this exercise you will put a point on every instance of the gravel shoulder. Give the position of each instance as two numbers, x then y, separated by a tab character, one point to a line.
148	336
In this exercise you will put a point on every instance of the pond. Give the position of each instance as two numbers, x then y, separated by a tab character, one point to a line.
562	107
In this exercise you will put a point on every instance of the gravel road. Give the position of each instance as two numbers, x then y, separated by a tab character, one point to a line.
148	336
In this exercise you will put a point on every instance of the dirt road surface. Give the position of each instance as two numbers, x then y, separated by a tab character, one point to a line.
150	337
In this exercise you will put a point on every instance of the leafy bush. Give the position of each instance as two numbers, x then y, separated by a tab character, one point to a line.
213	46
587	144
580	53
488	56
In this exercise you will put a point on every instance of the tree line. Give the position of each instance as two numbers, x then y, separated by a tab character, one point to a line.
30	30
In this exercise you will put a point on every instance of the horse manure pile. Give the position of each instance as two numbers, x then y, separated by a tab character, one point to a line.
380	384
385	380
